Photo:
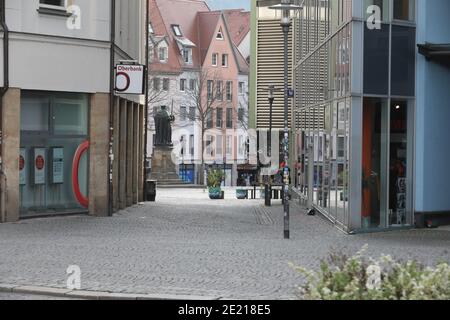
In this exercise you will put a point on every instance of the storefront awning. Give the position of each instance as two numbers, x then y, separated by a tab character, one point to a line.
435	51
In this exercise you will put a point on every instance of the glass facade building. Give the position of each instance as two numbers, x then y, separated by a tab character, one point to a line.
354	115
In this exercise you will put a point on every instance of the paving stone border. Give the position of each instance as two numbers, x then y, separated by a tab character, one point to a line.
95	295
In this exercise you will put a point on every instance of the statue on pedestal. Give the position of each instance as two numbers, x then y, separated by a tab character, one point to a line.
163	126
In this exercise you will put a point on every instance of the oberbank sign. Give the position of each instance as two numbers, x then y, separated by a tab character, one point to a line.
130	79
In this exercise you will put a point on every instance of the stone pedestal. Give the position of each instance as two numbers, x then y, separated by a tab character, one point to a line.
163	168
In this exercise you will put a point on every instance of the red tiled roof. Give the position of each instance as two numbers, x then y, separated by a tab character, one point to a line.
184	14
238	22
198	24
207	22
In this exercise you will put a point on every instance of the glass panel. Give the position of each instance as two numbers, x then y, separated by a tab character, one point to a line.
376	60
333	160
403	60
398	164
404	10
70	115
374	156
340	150
383	5
34	113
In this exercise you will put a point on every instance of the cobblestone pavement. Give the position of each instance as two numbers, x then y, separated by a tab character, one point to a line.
187	244
17	296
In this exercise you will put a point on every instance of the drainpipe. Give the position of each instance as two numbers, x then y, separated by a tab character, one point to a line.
3	91
147	68
111	106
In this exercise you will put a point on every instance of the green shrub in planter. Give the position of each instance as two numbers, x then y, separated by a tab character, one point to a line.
343	277
215	178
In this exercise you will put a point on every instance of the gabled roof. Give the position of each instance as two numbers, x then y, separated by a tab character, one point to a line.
238	21
207	23
164	14
198	25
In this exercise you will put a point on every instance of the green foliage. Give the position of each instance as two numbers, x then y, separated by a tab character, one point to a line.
215	178
349	278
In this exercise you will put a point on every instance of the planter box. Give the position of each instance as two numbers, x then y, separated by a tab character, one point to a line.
241	194
216	194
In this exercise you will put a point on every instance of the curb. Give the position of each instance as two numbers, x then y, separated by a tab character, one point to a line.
97	295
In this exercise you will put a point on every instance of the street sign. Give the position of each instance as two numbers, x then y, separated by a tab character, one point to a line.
291	93
130	79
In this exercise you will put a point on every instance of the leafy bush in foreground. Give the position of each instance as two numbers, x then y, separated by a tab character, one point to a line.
343	277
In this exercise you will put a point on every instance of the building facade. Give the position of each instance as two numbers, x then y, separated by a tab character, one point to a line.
60	113
198	73
366	100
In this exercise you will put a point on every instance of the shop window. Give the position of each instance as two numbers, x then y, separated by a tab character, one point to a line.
53	150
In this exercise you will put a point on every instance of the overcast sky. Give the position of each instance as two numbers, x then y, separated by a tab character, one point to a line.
229	4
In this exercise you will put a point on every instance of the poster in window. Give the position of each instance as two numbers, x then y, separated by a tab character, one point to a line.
57	165
39	162
23	167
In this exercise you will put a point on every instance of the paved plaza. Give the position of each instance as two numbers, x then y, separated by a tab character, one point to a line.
186	244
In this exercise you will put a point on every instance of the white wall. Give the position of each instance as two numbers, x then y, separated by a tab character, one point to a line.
47	55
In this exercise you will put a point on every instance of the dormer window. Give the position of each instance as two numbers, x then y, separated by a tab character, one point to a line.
219	35
150	28
163	54
177	30
187	55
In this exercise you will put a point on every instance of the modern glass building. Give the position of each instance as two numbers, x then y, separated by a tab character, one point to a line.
359	141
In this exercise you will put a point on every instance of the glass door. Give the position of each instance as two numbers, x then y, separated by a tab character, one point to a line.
400	153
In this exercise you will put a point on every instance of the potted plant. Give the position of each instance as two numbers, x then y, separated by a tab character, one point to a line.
215	178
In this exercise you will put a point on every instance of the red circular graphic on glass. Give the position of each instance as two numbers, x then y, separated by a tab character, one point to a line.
40	162
21	163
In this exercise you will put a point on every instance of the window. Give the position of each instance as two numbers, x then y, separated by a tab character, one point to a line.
192	113
187	55
156	84
404	10
182	85
219	91
166	84
183	145
225	60
241	114
229	90
191	144
219	35
229	145
215	57
192	84
163	54
219	118
177	30
219	145
241	88
150	28
183	113
229	118
52	3
210	88
209	119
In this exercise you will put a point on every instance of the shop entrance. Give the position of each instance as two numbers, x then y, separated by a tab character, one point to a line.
387	163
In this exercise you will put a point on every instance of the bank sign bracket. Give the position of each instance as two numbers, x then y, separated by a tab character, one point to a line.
130	78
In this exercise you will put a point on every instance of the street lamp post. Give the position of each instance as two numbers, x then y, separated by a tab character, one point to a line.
268	188
286	7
